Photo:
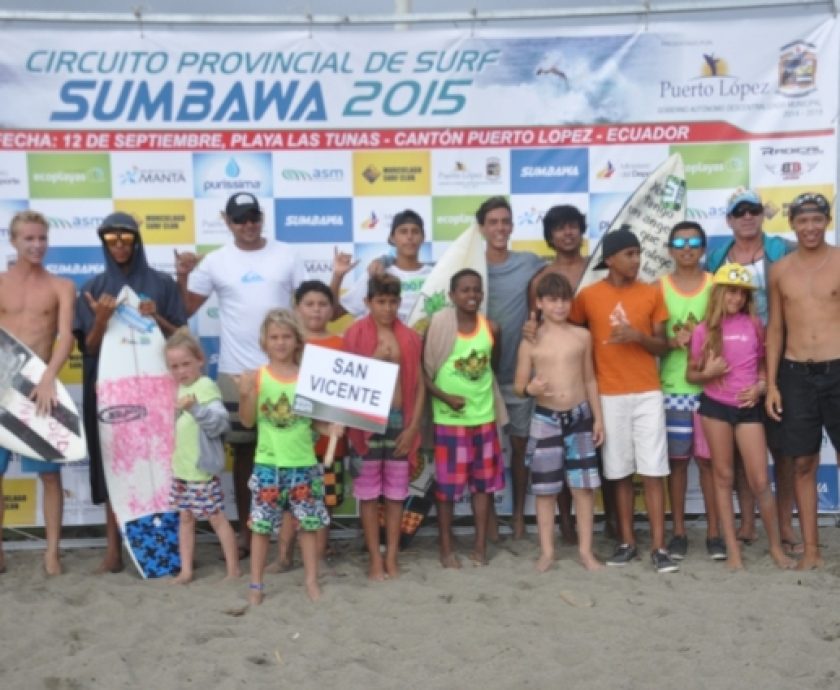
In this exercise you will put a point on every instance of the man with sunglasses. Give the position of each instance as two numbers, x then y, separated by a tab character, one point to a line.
125	264
756	250
249	276
803	355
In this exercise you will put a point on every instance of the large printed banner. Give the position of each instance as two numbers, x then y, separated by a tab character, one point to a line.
337	132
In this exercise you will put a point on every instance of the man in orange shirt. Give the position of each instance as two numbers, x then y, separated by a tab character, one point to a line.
627	321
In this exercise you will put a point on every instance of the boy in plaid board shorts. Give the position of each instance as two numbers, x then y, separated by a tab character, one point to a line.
462	385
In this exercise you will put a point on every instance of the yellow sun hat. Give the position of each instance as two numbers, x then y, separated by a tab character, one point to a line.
734	275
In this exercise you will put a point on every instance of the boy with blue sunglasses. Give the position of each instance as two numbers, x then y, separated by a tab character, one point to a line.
686	293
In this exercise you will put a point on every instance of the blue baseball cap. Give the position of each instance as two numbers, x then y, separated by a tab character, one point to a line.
742	196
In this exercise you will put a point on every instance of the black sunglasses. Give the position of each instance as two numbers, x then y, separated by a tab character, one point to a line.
748	210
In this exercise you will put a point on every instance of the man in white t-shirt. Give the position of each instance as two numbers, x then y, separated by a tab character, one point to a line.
249	276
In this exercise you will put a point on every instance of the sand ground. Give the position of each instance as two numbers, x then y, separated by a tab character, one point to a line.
501	626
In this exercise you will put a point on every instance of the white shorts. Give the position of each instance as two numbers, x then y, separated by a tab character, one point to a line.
634	435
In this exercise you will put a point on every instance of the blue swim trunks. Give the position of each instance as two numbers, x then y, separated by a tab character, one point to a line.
27	464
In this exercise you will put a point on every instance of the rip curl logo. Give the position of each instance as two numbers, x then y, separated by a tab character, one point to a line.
121	414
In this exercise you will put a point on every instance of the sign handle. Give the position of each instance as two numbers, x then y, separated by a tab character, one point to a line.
328	456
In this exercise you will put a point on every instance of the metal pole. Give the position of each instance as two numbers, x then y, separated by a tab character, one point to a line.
471	16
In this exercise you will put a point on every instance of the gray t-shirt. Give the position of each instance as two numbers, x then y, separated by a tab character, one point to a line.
507	304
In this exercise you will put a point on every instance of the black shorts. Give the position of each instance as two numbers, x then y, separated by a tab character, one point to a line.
729	413
810	401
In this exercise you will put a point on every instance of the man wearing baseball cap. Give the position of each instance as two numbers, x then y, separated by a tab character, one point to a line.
125	264
751	247
627	321
803	355
249	276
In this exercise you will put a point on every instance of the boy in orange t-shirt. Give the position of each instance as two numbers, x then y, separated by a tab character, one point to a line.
627	321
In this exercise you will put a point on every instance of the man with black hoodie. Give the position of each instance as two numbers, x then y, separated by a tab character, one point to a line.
125	264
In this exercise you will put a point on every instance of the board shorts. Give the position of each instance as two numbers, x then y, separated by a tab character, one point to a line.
467	455
519	409
560	448
683	429
380	472
298	490
731	414
811	400
202	499
634	435
27	464
238	434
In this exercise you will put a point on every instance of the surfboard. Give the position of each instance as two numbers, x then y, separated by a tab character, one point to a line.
56	437
650	212
136	411
467	251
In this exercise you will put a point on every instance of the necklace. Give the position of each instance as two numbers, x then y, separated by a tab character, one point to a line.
811	272
756	255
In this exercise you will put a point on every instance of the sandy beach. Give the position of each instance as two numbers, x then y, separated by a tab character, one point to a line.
502	626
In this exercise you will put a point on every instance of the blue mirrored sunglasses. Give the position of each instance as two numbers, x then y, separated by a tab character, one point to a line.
690	242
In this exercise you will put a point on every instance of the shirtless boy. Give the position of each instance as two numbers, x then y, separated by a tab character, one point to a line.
37	308
804	336
567	425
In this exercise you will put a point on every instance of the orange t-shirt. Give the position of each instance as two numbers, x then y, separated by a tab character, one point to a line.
333	342
621	368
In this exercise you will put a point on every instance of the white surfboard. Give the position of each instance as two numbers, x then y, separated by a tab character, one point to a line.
56	437
465	252
651	211
136	411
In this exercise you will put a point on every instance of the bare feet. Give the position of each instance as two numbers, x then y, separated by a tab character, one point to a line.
376	570
110	564
793	547
392	568
450	560
588	561
255	594
747	535
183	578
478	558
52	564
313	591
278	566
811	560
232	577
734	564
544	562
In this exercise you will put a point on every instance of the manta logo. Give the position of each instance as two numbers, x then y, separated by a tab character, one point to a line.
122	414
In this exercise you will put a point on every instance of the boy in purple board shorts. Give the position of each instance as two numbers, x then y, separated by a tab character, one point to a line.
387	458
459	356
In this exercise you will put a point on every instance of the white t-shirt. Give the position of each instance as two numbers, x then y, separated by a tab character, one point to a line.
247	284
411	282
